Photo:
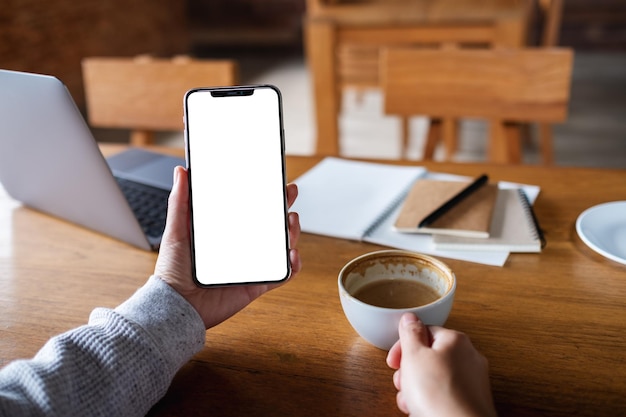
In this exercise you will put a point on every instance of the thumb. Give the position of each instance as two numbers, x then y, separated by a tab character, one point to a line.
175	242
176	227
413	334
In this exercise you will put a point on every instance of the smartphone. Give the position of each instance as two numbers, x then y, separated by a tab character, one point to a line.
234	142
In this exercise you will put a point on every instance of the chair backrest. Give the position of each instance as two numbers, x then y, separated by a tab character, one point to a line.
146	94
521	85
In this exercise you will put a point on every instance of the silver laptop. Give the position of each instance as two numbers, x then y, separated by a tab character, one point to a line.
50	161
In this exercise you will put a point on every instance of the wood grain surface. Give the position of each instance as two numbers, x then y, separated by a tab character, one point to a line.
551	324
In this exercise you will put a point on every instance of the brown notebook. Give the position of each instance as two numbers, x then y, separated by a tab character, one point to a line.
470	217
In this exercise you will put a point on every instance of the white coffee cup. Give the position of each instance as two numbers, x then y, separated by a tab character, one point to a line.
379	325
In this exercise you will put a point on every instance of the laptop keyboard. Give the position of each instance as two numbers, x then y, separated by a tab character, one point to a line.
148	203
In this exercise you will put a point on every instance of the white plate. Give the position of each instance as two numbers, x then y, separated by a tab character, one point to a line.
603	229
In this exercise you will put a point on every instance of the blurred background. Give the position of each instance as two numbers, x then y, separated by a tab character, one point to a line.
265	37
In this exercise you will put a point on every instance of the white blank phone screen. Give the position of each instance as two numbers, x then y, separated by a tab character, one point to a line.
235	156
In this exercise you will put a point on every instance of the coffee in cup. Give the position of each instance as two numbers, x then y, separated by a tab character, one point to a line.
396	293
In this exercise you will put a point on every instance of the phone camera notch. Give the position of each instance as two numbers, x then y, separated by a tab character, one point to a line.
230	93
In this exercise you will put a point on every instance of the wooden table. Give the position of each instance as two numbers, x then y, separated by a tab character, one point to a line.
553	325
343	40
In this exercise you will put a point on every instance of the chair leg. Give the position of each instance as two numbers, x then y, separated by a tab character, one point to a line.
496	147
434	133
526	132
514	134
450	131
545	143
505	142
141	138
446	129
405	134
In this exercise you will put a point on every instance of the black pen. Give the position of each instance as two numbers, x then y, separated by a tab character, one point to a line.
445	207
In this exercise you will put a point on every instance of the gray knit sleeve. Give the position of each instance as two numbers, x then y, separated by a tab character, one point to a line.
120	364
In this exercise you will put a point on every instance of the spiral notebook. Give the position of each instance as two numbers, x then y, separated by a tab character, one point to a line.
360	201
513	228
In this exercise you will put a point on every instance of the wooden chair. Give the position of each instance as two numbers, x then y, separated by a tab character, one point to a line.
145	94
551	15
505	86
343	40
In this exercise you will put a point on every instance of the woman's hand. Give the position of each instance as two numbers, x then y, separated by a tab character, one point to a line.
439	372
174	262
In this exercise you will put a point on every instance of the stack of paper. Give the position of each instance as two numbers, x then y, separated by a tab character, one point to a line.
512	228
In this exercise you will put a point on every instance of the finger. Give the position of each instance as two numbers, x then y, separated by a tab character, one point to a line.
397	380
294	229
442	337
413	333
176	233
413	329
292	193
296	262
176	226
437	333
401	403
394	355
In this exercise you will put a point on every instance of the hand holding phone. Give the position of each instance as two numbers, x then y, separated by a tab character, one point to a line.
238	205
